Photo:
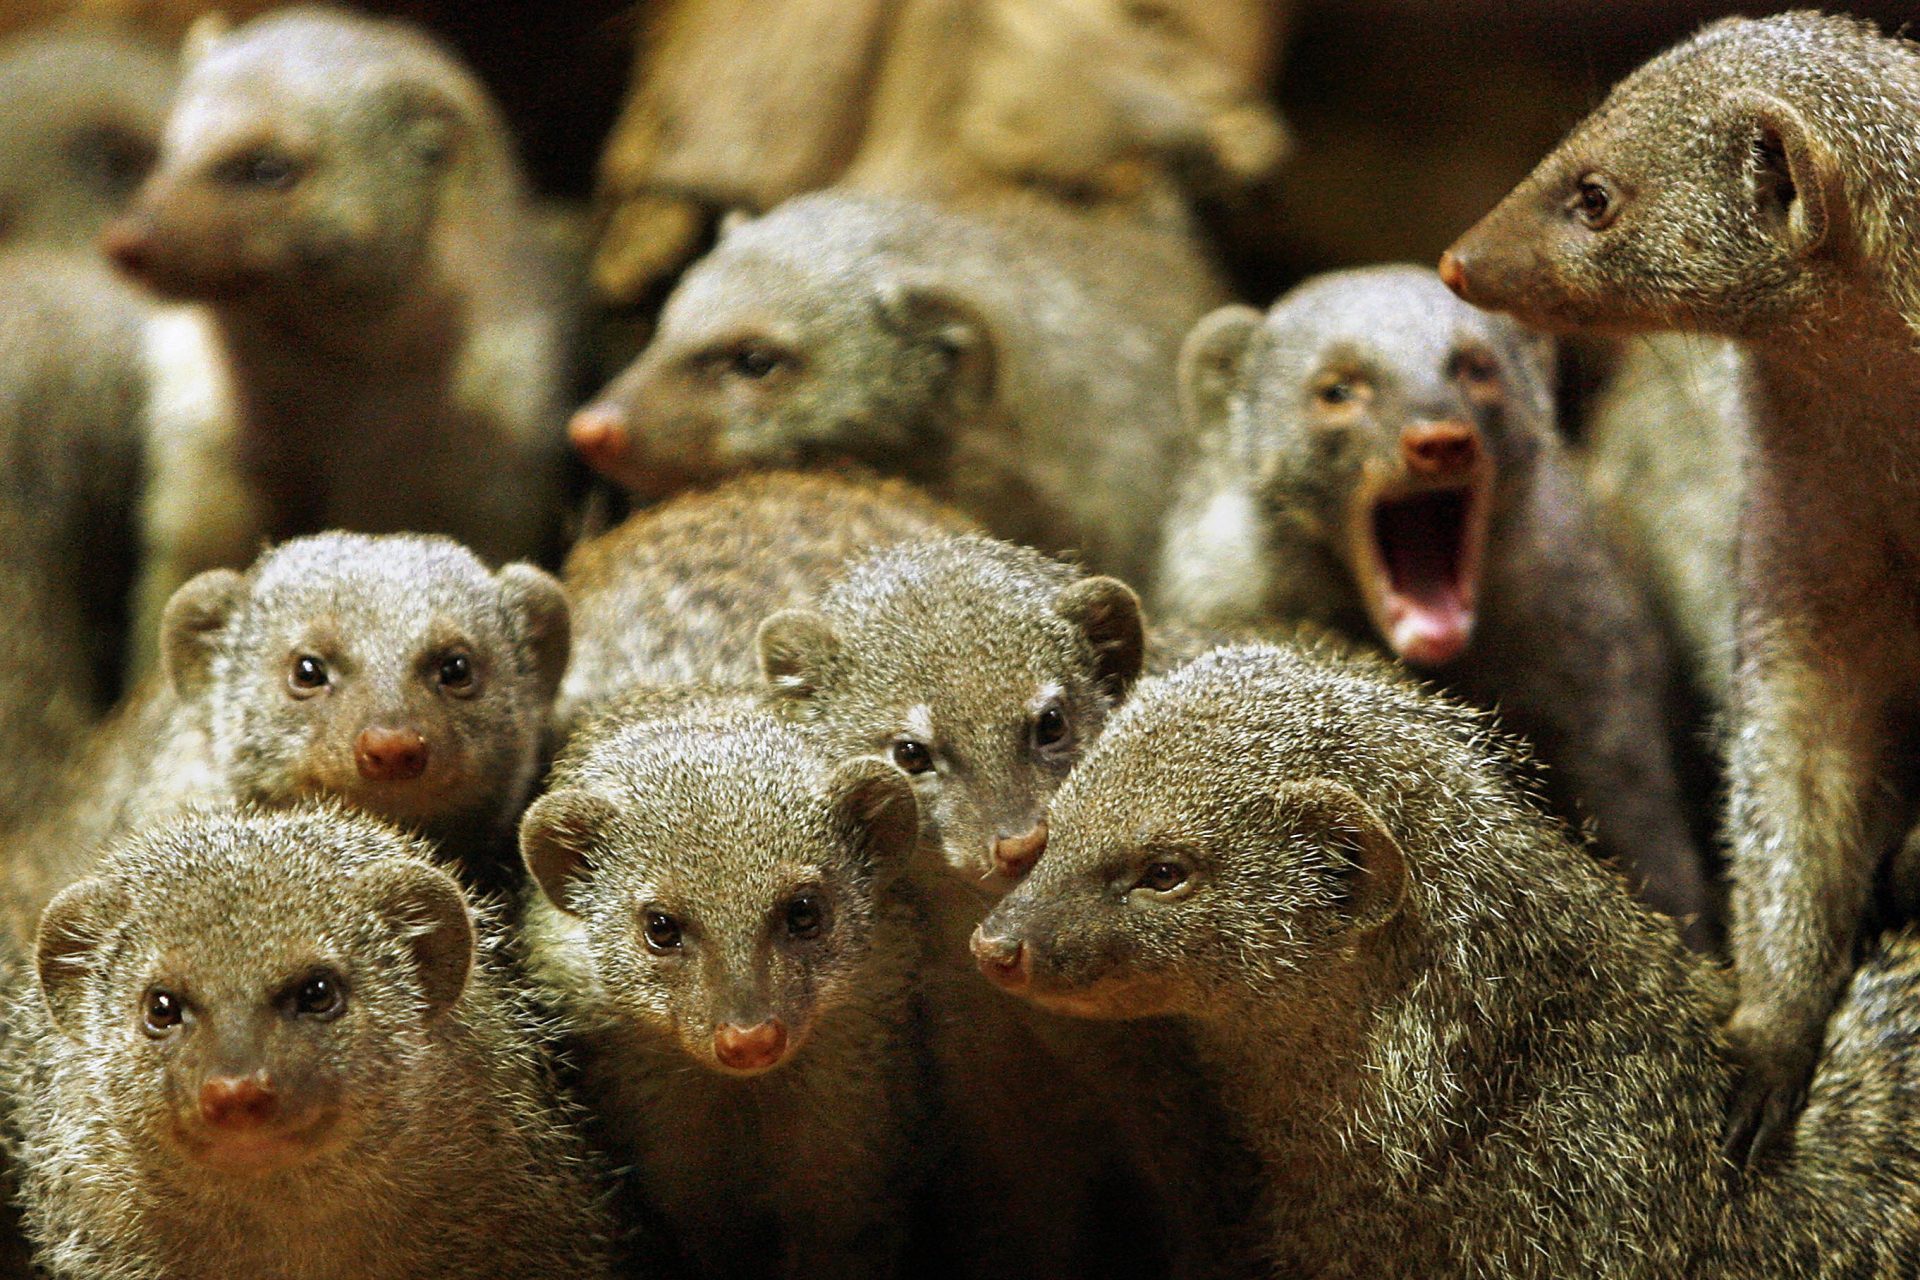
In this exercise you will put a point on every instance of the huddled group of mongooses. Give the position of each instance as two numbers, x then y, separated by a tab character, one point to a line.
1060	774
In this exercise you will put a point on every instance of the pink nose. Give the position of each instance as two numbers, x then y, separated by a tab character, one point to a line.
128	244
752	1048
600	433
1014	856
237	1102
390	755
1453	273
1005	961
1439	448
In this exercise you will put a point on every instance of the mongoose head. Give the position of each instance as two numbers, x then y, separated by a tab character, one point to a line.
311	159
721	871
794	343
1705	193
253	992
1237	834
981	669
1365	426
83	114
395	672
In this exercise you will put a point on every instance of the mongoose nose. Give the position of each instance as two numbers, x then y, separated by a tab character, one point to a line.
1014	856
128	244
752	1048
600	433
390	755
1453	273
1439	448
237	1102
1004	960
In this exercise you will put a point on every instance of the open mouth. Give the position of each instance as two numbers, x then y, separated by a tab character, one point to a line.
1423	555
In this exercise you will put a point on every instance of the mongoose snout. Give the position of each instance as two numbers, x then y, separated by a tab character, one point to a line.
751	1049
238	1102
128	244
390	755
1014	856
1003	959
1439	448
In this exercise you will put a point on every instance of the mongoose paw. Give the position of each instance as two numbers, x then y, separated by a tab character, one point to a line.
1767	1098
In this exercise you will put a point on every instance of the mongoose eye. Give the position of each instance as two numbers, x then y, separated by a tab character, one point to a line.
1050	728
1476	369
264	170
322	996
911	756
456	673
1339	392
804	917
1593	203
161	1012
754	362
662	932
1162	877
308	676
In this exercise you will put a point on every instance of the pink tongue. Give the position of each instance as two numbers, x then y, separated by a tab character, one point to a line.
1422	543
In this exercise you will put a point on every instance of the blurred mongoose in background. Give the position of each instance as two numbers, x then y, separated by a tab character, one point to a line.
1017	361
395	672
1380	458
283	1044
382	341
719	931
1754	183
1460	1048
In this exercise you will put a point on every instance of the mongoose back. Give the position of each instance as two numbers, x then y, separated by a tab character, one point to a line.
1017	361
380	341
284	1044
1750	183
717	930
1458	1045
1380	457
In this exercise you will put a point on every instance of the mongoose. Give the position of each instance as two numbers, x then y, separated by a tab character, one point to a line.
393	671
1380	458
285	1044
717	931
1017	361
1458	1045
676	593
84	111
380	341
1748	183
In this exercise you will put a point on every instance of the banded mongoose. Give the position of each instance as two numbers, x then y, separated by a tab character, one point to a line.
1380	458
1458	1045
1750	183
1016	361
84	109
394	671
284	1044
381	340
676	593
719	932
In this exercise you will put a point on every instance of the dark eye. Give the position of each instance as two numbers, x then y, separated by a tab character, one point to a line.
456	673
1475	368
1593	203
308	675
754	362
162	1011
663	932
265	170
1050	727
1162	877
1338	393
321	996
804	917
1151	15
911	756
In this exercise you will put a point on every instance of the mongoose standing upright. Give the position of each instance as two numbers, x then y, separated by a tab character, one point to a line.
1752	183
381	341
1379	457
719	933
1018	361
284	1044
393	671
1459	1047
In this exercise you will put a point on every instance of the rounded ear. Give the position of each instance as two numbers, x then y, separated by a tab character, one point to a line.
1107	612
1210	363
540	602
930	315
732	220
71	930
1797	189
201	36
557	839
797	647
878	800
429	909
1374	868
190	626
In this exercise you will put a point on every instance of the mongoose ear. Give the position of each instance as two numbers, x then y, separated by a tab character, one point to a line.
732	220
877	799
1375	870
71	929
931	315
1796	188
540	602
431	913
1107	612
557	839
1210	362
201	36
797	647
190	626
